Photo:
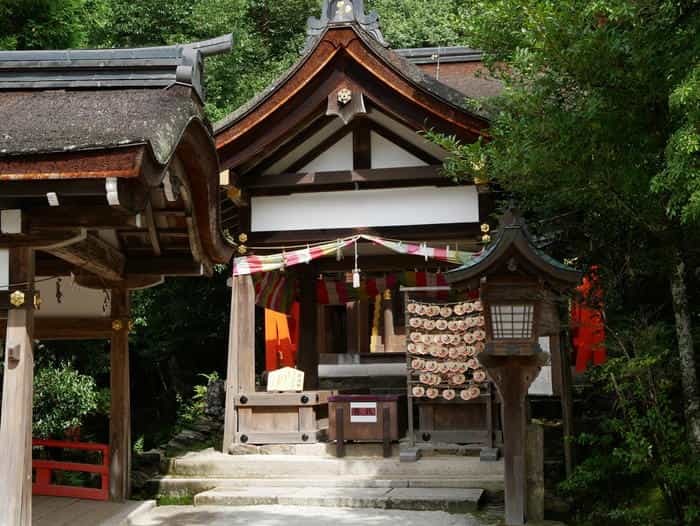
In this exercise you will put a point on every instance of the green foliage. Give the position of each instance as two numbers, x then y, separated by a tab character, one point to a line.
423	23
44	24
680	181
189	411
62	399
637	469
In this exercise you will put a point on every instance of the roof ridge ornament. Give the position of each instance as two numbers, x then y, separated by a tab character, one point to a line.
343	12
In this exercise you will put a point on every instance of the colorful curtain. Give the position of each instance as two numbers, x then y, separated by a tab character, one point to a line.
246	265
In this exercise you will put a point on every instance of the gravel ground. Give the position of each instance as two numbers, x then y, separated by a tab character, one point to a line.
297	516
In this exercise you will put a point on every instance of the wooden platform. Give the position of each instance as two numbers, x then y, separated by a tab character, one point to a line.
61	511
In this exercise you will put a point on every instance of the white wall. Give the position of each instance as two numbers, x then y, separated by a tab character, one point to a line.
386	154
4	268
427	205
337	157
77	302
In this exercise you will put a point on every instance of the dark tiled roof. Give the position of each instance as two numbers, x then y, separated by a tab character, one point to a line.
432	55
109	68
36	122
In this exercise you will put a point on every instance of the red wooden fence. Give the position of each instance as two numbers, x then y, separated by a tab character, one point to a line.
44	468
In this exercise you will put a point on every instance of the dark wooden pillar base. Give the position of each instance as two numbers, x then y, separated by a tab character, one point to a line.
513	375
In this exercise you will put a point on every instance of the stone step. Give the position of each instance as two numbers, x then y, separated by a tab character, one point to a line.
184	486
352	449
454	500
212	464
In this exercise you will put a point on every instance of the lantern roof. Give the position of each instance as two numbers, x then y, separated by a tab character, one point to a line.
513	240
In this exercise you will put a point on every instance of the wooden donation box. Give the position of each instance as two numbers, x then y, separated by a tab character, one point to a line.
285	414
365	418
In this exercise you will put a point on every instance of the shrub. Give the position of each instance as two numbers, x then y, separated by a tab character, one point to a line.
62	399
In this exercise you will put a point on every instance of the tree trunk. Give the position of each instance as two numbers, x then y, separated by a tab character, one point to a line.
686	350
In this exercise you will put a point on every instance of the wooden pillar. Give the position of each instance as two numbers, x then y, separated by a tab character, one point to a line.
363	326
389	332
120	407
18	380
513	376
351	327
567	405
240	375
307	353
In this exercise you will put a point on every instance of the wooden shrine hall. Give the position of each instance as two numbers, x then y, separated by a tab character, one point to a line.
340	213
109	182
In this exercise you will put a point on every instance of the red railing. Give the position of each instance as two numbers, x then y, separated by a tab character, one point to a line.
43	470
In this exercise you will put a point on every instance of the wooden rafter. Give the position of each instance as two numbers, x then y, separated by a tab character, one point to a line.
96	256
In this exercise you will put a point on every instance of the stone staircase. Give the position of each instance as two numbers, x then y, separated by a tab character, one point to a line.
309	475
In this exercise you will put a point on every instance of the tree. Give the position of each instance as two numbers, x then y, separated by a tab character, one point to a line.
597	126
46	24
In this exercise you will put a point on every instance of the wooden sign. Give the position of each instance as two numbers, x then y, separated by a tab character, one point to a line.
285	379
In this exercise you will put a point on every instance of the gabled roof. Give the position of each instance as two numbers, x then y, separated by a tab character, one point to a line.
513	238
344	48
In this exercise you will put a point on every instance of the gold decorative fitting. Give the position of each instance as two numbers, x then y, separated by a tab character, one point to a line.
117	325
486	238
17	298
243	237
387	294
485	228
344	96
131	325
242	249
37	301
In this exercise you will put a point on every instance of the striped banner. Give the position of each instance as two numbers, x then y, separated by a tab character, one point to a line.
246	265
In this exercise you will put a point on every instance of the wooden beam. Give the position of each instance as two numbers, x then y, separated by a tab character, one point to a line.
307	351
240	375
120	410
93	217
43	240
347	179
459	232
361	148
96	256
152	230
382	263
69	328
16	414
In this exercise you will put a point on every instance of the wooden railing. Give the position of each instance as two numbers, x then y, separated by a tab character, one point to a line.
43	470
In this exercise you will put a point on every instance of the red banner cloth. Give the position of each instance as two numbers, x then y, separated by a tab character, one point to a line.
587	326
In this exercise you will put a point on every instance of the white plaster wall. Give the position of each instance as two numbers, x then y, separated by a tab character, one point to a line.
408	134
386	154
77	302
4	269
337	157
543	383
297	153
366	208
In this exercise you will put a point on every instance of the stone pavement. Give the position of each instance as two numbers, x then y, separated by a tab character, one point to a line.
298	516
